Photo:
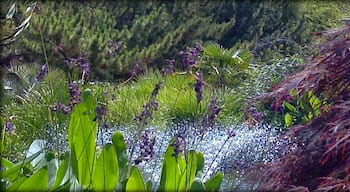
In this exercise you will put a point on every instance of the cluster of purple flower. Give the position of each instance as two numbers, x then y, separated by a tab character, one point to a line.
148	141
60	107
198	86
75	98
149	107
101	111
147	112
81	62
214	111
191	56
169	67
75	94
10	127
179	145
43	71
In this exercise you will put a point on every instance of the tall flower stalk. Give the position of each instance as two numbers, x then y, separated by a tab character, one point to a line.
147	141
75	98
198	87
190	57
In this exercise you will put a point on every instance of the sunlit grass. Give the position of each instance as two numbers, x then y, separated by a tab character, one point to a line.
177	99
31	114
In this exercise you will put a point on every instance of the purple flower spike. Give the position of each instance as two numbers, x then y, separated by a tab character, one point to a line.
179	145
149	107
169	67
214	110
60	107
75	94
101	111
10	127
148	141
198	87
191	56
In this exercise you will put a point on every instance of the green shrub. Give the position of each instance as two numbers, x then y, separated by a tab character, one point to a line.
302	108
225	67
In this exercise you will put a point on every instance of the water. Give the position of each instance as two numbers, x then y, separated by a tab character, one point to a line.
232	156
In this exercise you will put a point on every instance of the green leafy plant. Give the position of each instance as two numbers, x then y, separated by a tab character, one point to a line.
183	173
302	108
225	66
84	167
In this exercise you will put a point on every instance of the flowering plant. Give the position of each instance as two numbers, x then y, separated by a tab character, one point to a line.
82	167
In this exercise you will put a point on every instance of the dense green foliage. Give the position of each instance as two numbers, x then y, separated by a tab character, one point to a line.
119	35
224	53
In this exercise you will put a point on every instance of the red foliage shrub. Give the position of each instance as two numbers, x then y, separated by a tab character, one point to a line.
322	161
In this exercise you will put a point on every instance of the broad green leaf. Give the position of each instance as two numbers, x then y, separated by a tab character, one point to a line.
189	172
15	169
315	103
290	107
14	186
305	106
294	92
310	94
172	170
214	183
120	147
6	163
309	116
37	182
74	185
63	188
135	181
149	186
61	172
106	172
288	120
197	185
81	136
200	164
